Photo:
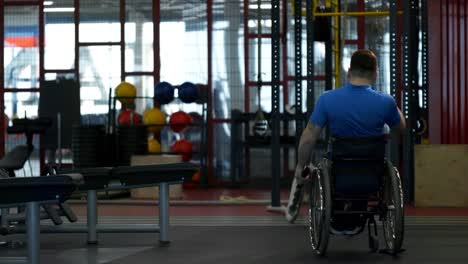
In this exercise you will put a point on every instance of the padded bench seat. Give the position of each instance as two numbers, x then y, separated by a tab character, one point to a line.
152	174
133	176
36	189
126	177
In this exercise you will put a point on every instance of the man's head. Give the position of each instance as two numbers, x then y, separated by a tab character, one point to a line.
363	66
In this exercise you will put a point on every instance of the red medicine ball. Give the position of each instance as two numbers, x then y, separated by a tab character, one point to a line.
179	120
184	148
128	117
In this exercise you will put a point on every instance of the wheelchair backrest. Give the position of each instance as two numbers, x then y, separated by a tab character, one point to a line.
358	148
357	164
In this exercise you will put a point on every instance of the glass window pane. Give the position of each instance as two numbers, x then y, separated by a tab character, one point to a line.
139	36
184	53
99	21
99	72
59	50
21	52
378	40
21	104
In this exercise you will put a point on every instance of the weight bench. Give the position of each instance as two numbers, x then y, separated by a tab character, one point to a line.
126	177
32	192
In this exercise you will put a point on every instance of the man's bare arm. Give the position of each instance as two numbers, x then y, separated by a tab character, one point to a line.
402	125
307	143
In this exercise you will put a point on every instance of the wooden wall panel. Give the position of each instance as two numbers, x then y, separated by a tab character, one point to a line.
441	176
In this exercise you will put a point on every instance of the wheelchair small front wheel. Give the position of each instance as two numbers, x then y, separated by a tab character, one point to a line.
393	219
320	210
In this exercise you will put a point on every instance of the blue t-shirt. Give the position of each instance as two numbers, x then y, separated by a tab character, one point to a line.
355	111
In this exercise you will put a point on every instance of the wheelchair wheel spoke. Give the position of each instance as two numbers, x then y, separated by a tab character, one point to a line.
315	213
393	221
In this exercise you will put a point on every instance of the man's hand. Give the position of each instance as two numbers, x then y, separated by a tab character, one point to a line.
303	174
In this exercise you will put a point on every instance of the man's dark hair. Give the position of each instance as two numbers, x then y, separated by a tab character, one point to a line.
363	64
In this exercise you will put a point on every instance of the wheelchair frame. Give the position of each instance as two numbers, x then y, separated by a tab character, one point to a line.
389	209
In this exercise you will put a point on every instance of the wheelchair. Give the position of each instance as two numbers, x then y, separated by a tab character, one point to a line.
352	186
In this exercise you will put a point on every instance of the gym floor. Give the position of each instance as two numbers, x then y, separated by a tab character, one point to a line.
250	244
232	233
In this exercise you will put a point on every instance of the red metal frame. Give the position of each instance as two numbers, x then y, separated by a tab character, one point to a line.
59	71
76	18
211	176
361	25
122	40
2	78
41	41
156	40
246	73
137	73
21	90
246	57
41	71
110	43
462	67
445	71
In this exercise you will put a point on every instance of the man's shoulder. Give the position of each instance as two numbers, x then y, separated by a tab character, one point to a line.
385	96
331	93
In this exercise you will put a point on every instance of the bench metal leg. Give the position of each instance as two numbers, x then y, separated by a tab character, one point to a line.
5	213
92	217
164	214
33	231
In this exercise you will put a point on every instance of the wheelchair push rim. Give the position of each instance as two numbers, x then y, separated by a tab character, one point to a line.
319	211
295	200
393	218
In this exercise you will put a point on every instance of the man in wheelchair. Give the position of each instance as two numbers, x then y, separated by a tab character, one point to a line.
354	182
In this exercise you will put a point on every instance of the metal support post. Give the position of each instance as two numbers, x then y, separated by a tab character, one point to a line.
298	69
33	231
164	213
394	146
92	217
310	57
275	124
410	83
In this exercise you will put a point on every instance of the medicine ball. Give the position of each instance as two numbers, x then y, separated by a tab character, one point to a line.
179	120
154	146
188	92
125	93
155	119
164	92
128	117
184	148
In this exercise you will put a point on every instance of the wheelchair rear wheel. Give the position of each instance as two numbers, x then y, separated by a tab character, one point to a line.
320	209
393	219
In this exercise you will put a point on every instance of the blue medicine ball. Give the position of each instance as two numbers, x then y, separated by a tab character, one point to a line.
164	92
188	92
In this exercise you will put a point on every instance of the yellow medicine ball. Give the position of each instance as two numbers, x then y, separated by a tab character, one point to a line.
155	118
154	146
125	93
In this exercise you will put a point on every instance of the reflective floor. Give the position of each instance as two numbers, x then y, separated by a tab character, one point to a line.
249	240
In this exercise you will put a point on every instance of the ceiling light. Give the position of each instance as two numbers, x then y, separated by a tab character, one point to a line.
59	9
262	6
